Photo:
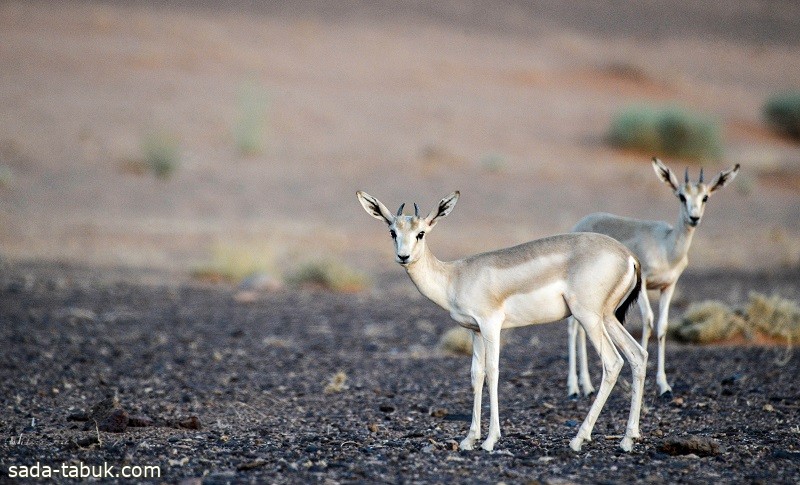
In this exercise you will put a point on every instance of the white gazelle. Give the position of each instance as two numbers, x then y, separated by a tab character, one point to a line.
590	276
662	250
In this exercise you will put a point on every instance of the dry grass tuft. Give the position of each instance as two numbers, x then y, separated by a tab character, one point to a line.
767	318
457	340
232	264
337	383
329	275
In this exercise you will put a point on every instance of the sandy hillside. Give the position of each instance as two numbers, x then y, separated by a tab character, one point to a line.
406	100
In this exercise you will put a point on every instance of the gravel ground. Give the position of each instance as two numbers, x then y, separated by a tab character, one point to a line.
312	386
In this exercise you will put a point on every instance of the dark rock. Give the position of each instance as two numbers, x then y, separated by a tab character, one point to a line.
697	445
109	416
139	421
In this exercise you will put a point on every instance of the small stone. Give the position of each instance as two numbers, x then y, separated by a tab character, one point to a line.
439	413
192	422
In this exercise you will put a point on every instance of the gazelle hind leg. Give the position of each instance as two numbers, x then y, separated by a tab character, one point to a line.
637	357
572	344
612	363
477	373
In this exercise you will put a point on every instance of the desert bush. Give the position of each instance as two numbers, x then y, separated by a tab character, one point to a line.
666	131
249	132
329	275
782	112
161	152
712	321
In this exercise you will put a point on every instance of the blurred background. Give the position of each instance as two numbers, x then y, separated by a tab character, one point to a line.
223	139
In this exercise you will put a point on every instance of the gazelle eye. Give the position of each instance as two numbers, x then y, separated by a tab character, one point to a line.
420	235
682	197
393	234
705	198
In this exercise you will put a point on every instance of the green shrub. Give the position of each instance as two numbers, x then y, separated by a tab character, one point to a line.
249	132
162	153
6	176
329	275
782	113
666	131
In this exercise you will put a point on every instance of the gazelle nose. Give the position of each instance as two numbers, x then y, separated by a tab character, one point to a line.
694	220
403	258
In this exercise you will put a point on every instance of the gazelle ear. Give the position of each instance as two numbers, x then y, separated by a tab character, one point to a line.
665	174
375	208
445	207
723	178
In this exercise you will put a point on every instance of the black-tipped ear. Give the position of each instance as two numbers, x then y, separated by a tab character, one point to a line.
375	208
724	178
665	174
445	207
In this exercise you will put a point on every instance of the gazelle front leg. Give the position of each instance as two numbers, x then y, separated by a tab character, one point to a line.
661	334
491	342
478	372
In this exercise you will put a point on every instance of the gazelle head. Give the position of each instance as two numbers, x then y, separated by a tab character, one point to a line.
407	232
693	196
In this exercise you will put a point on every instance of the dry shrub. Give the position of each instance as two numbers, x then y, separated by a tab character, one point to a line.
709	321
774	316
712	321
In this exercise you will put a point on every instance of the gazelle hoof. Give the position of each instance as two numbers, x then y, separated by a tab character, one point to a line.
574	396
576	443
666	395
626	444
488	445
466	445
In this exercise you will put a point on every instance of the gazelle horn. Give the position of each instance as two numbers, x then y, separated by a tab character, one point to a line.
686	175
400	210
701	175
416	210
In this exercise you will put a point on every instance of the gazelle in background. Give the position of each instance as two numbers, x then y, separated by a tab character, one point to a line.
590	276
662	251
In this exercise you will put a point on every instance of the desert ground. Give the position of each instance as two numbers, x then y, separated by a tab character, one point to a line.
508	102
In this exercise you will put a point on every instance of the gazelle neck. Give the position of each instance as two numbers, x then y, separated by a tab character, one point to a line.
431	277
681	239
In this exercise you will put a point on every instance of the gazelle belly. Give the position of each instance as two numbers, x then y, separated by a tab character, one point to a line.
541	305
